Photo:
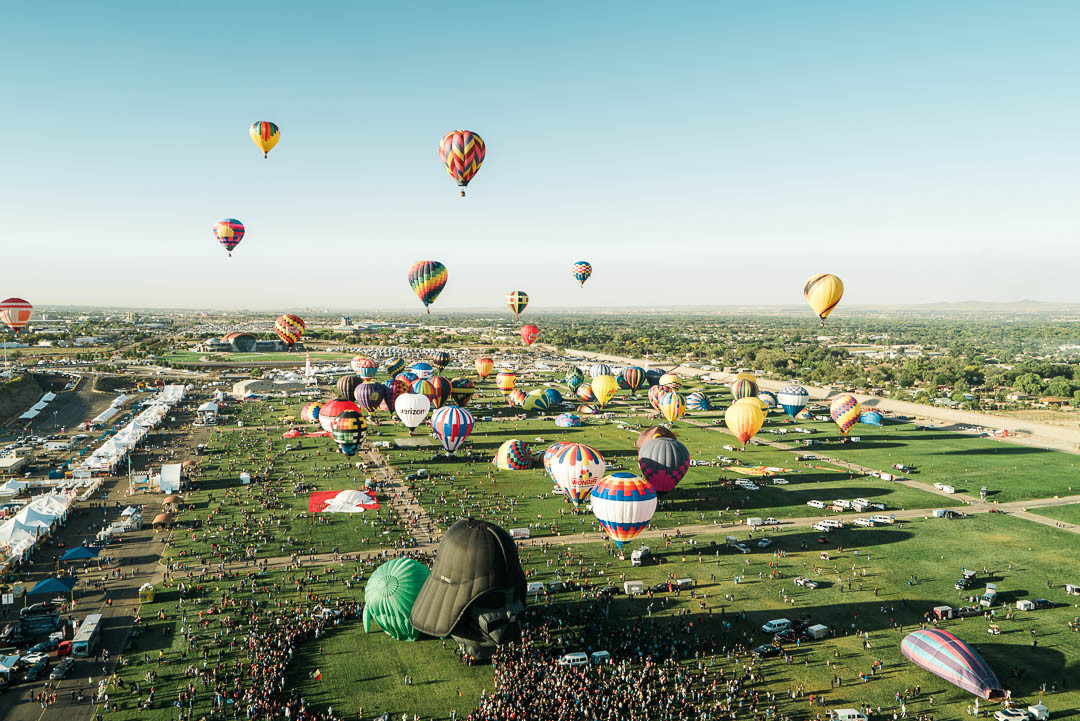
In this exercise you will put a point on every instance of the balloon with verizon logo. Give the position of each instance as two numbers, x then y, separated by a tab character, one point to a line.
412	409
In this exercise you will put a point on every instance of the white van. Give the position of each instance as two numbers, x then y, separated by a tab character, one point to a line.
820	526
579	658
860	501
868	522
830	523
842	503
598	657
776	625
816	504
948	489
534	588
882	519
847	714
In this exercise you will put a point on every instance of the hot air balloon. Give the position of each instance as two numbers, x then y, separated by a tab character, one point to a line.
333	409
634	378
412	409
793	399
697	401
462	152
768	398
653	376
663	463
15	313
452	425
655	432
604	387
672	406
535	400
441	391
823	292
872	418
943	654
515	398
461	390
423	370
804	415
744	418
746	376
844	412
389	595
427	278
484	366
513	455
348	429
585	393
744	388
516	301
408	376
393	366
424	388
548	454
505	380
671	381
394	388
310	412
553	396
369	395
582	271
654	396
576	468
265	135
600	369
364	367
229	232
529	334
346	385
567	420
574	378
441	359
623	505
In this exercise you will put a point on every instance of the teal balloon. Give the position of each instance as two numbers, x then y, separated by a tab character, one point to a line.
389	596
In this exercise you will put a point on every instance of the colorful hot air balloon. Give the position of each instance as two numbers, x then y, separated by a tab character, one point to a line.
585	393
412	409
462	390
441	391
516	301
823	292
844	412
792	399
604	388
513	455
441	359
600	369
548	454
462	152
653	376
515	398
348	429
804	415
310	412
768	398
654	396
393	366
872	418
553	396
423	370
333	409
576	468
505	380
582	271
394	388
623	505
265	135
229	232
484	366
369	396
744	418
671	381
943	654
744	388
697	401
409	377
663	462
672	406
655	432
289	328
452	425
567	420
529	334
634	377
423	387
346	385
574	378
15	313
535	400
389	596
427	278
364	367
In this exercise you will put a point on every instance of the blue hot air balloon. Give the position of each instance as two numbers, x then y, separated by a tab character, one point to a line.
793	399
872	418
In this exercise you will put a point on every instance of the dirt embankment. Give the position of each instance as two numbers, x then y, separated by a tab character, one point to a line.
17	396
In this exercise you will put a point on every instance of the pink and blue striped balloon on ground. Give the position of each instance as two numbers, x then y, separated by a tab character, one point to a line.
452	426
623	505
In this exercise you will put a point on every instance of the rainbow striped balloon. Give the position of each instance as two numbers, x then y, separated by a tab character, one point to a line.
698	401
744	388
424	388
623	505
672	406
229	232
845	412
462	152
582	271
289	328
427	278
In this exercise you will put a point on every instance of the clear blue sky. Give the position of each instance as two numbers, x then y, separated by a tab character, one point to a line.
695	153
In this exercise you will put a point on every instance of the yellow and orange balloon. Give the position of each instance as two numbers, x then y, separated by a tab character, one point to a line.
823	292
744	418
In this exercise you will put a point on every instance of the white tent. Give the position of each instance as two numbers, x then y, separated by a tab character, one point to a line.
169	480
12	487
32	516
105	415
28	415
208	407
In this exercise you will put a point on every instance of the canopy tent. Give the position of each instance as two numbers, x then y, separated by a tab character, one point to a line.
39	406
106	415
29	415
130	511
12	487
119	400
208	407
48	397
81	553
16	534
163	518
172	500
169	480
33	515
58	584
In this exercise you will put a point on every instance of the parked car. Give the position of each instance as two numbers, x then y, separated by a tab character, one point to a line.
806	582
765	650
764	543
776	625
1043	603
44	647
62	669
770	521
34	672
1011	714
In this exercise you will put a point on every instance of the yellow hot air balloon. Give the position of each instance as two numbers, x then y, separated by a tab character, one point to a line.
265	135
670	380
744	418
604	387
745	377
823	292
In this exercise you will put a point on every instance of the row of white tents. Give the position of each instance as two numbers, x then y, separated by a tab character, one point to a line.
115	449
37	408
37	519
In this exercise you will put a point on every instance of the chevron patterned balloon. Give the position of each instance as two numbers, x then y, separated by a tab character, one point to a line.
289	328
462	152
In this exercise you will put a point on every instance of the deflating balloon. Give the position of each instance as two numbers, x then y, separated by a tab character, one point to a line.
823	292
553	396
389	595
265	135
412	409
623	505
604	388
452	426
663	462
872	418
576	468
427	278
655	432
567	420
484	366
513	455
672	406
744	418
462	152
845	412
943	654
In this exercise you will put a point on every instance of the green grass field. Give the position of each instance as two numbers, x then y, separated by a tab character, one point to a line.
1069	514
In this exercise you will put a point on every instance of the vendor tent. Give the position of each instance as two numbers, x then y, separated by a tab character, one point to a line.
163	519
169	480
58	584
81	553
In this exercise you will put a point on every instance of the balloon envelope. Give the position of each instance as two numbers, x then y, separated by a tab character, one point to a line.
634	377
462	152
529	334
655	432
663	463
412	408
672	406
452	426
289	328
943	654
582	270
872	418
604	388
364	367
310	412
389	595
793	398
576	468
427	278
346	385
744	418
567	420
623	505
265	135
462	390
442	390
600	369
516	300
505	381
698	401
845	412
393	366
15	313
768	398
484	366
535	400
229	233
822	293
513	455
369	395
744	388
